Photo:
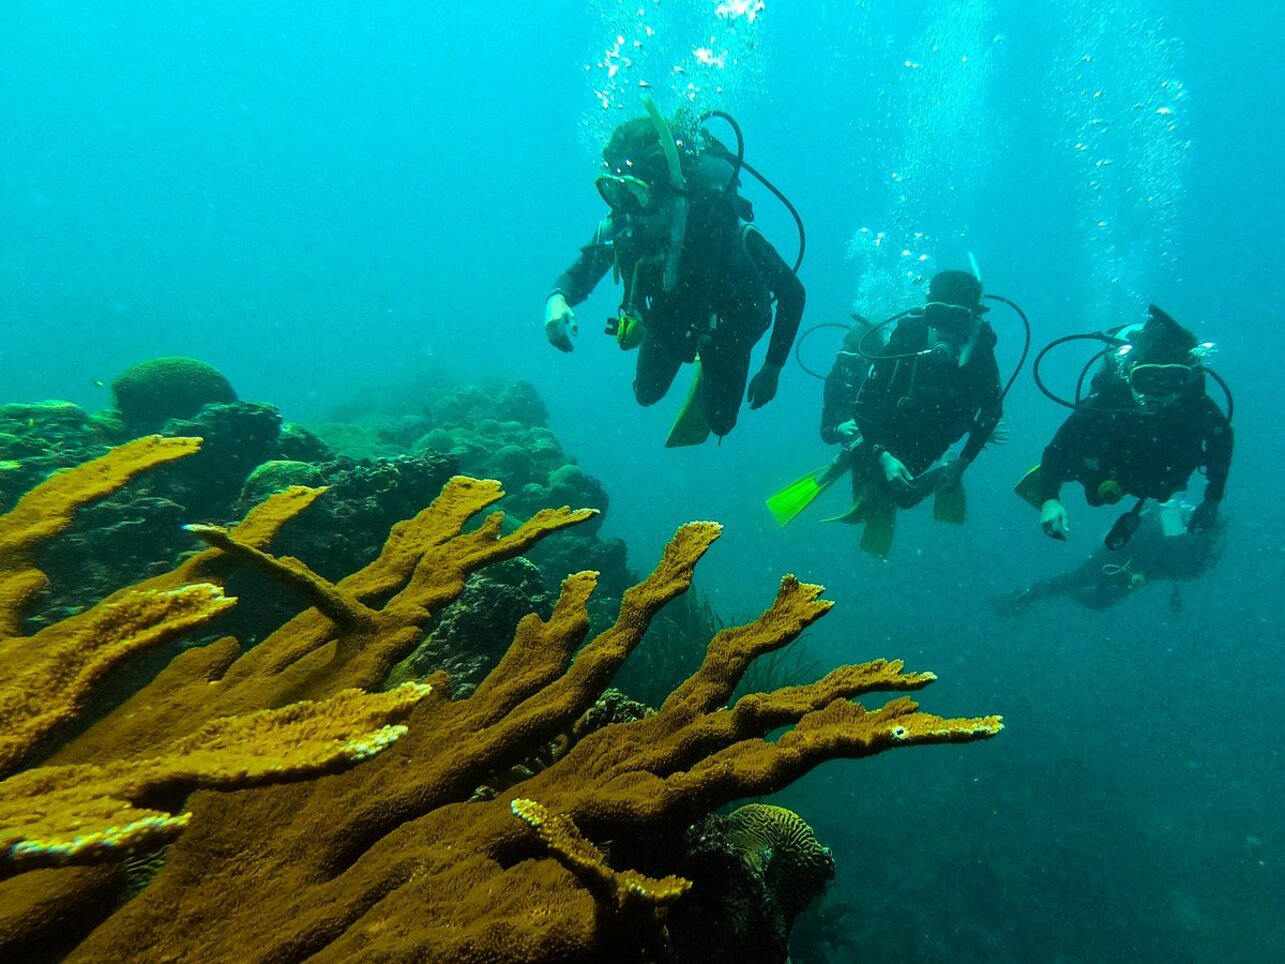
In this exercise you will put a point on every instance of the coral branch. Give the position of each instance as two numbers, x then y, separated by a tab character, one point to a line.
55	671
324	595
49	508
620	890
57	815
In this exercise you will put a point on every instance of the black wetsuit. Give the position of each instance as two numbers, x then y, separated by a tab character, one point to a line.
721	306
842	387
915	408
1149	454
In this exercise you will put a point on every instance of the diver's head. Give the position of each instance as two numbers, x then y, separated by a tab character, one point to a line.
635	180
1160	362
954	302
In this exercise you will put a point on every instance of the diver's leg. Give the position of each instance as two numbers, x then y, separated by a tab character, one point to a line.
725	370
655	372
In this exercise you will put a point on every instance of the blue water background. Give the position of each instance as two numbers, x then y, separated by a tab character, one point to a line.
321	199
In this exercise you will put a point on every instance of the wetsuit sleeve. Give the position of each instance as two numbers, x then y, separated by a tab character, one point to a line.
839	398
989	403
576	283
788	289
1060	454
1218	446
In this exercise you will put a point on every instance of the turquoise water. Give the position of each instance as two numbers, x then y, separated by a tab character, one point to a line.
319	200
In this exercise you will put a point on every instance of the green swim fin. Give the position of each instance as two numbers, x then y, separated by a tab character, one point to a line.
950	505
798	495
690	427
1029	488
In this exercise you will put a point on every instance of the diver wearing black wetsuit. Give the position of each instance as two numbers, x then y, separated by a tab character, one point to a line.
842	386
1148	453
728	276
935	381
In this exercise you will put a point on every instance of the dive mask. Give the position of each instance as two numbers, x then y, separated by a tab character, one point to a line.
1160	381
624	192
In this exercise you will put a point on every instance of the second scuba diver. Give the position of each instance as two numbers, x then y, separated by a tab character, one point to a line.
699	280
1145	427
934	381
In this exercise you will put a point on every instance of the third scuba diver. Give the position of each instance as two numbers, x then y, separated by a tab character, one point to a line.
1145	427
698	279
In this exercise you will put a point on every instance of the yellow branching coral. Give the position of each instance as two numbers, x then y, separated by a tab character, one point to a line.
616	889
56	815
389	861
76	813
50	508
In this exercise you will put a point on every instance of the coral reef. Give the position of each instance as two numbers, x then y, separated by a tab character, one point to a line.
159	389
753	871
53	815
400	857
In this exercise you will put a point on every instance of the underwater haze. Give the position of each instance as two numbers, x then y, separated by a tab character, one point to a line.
329	200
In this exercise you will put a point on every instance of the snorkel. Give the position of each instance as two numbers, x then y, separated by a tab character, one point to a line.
678	217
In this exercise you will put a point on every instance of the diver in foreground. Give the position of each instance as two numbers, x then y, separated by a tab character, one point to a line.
699	280
1145	427
933	382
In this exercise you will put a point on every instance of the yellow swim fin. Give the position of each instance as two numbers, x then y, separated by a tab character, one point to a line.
881	526
798	495
1029	488
878	513
691	426
950	505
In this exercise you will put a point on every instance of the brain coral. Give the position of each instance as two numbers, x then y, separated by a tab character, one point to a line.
164	388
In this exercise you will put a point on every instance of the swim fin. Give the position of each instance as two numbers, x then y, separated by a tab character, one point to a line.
950	505
691	426
798	495
879	515
1029	488
881	526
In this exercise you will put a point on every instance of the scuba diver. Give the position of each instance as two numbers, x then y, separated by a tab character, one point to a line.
1145	427
934	381
842	385
699	280
1162	550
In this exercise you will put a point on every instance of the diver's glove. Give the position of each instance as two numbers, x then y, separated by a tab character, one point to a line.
559	322
952	475
1053	520
763	385
847	433
1205	516
894	472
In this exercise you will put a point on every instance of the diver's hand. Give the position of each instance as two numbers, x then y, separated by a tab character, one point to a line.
1053	520
763	385
1205	516
847	433
559	322
952	475
896	474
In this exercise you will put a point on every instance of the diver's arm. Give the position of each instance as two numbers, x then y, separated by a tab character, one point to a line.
990	406
1055	463
839	398
1218	448
787	288
573	286
578	281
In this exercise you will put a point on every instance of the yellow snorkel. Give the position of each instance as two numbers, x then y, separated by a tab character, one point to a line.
678	219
